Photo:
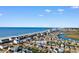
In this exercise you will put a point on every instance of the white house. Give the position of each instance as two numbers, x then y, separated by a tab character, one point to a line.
16	41
2	47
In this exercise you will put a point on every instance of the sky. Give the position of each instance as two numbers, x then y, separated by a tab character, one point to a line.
39	16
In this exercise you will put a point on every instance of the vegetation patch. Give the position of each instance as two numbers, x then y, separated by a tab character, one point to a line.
74	35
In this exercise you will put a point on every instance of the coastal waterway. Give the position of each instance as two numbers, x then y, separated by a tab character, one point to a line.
63	37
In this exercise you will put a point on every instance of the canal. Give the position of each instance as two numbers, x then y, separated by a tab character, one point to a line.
63	37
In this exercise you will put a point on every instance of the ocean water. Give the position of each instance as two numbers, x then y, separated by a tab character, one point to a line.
15	31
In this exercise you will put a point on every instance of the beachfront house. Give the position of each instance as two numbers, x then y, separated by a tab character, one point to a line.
16	41
3	47
21	40
4	41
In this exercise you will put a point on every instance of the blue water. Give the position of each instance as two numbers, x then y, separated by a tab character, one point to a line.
14	31
62	36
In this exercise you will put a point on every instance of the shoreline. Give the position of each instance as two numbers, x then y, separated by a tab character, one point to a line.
8	37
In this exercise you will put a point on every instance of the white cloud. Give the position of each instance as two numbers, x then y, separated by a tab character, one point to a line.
75	7
41	15
1	14
60	10
48	10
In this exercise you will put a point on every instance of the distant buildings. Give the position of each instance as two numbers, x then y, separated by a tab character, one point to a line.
68	29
